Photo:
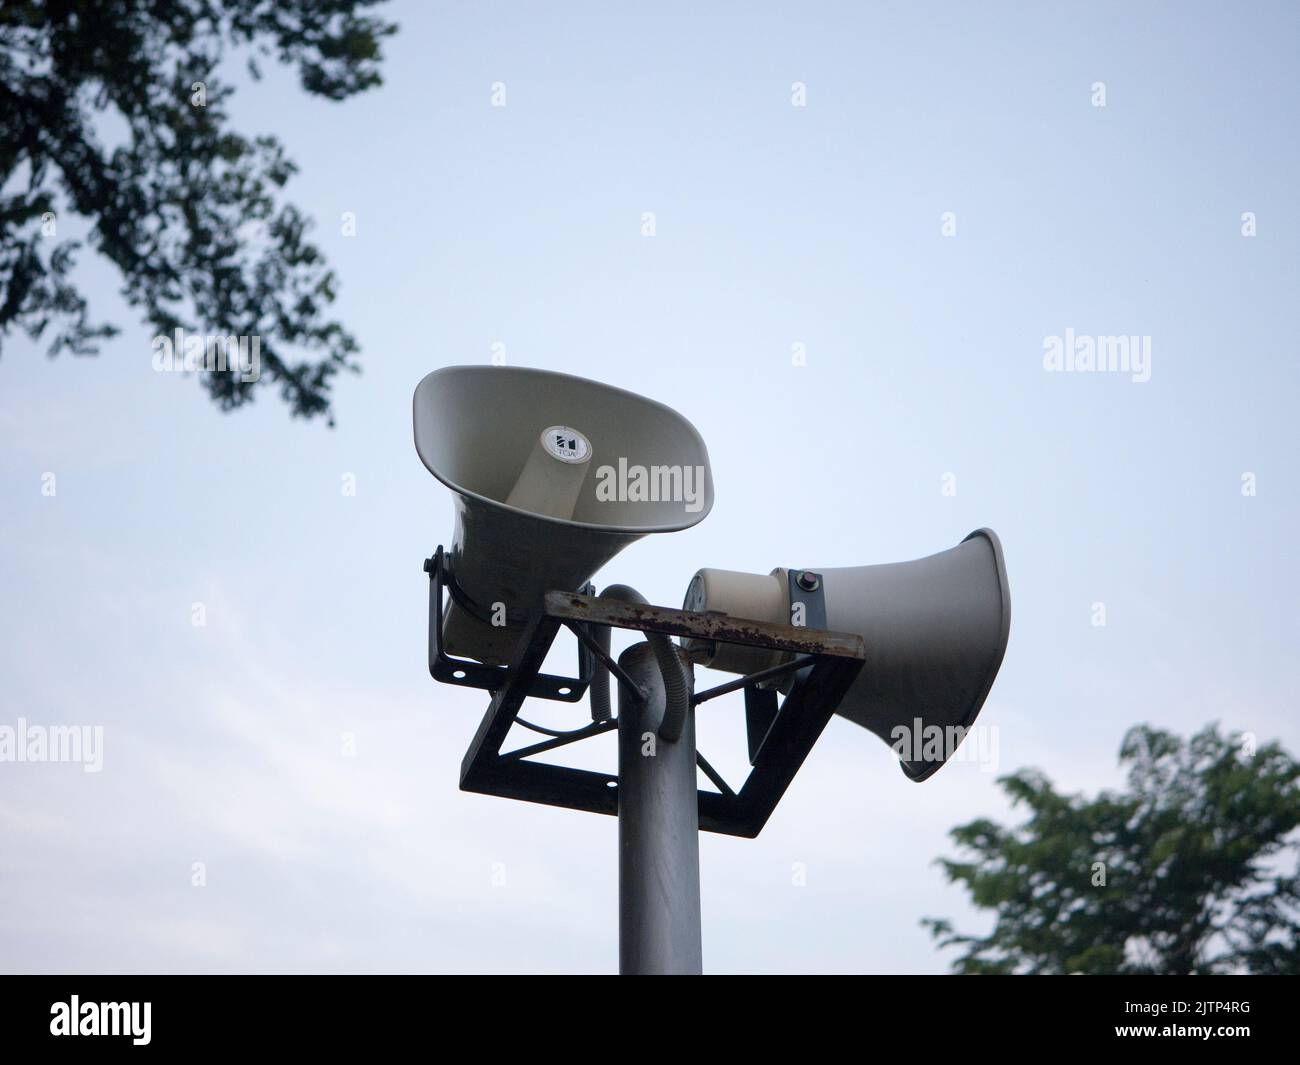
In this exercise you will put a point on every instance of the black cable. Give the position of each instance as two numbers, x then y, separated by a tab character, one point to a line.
557	733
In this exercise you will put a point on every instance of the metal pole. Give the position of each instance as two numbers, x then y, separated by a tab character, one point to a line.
658	832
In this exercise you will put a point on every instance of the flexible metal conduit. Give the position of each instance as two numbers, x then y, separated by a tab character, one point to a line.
670	666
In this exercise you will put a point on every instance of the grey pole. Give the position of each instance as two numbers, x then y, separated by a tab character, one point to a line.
658	832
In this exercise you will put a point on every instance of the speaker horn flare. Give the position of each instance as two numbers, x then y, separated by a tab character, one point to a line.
553	475
935	631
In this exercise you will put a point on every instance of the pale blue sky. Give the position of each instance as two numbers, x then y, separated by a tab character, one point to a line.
776	225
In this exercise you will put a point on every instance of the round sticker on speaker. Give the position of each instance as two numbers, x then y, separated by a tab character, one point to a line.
566	444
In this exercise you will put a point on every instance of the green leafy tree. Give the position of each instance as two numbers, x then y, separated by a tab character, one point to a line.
115	111
1190	869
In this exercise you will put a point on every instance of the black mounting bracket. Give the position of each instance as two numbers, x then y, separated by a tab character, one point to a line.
448	670
824	665
761	703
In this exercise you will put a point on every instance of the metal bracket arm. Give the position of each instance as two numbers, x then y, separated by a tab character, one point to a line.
827	663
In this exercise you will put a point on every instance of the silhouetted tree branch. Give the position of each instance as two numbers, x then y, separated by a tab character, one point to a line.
173	204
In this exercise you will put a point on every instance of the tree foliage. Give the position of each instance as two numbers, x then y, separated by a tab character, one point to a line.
1190	869
115	110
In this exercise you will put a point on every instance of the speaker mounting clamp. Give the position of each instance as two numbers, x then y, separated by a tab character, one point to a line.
443	667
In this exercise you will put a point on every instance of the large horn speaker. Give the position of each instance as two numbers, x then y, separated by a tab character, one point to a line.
935	631
553	475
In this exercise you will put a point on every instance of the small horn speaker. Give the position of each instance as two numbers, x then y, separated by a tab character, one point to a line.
935	631
553	475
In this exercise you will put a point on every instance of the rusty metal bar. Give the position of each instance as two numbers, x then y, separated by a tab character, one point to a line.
572	606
